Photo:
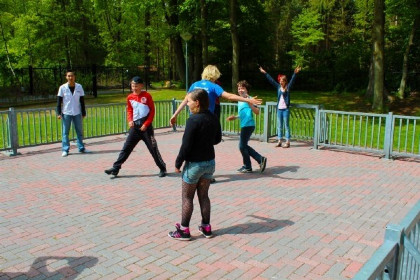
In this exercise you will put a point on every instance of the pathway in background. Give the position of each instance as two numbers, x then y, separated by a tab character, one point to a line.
313	214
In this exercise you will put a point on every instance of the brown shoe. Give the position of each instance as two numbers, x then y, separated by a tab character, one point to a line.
279	143
286	145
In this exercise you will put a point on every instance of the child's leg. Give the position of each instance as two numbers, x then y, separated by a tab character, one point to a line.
132	139
188	191
204	200
286	117
149	139
246	133
279	124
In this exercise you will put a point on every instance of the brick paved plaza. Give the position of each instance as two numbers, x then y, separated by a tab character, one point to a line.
314	214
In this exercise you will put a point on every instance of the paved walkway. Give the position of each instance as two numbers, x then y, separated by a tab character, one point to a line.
314	214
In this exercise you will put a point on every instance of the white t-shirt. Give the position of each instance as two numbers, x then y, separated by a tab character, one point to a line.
71	102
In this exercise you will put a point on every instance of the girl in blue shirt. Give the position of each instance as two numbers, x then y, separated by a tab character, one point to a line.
246	118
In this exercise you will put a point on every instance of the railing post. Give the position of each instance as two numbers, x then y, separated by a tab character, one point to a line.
266	123
394	233
317	127
13	134
173	112
388	135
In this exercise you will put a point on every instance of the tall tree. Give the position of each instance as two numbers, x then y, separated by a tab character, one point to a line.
412	12
378	55
204	36
171	15
235	43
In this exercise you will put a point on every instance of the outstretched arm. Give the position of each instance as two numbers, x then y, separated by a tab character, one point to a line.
234	97
180	108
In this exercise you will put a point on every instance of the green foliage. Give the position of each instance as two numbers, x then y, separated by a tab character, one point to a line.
307	33
333	35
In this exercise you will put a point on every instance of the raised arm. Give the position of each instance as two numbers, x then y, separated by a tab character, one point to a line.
269	78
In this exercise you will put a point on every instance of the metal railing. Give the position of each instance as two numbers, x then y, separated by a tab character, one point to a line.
26	128
385	134
398	258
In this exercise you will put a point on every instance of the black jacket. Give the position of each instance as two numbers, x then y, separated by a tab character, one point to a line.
202	132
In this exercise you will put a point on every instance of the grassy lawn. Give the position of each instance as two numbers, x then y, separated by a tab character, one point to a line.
350	102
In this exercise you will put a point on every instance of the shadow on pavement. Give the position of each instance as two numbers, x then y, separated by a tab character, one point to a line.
273	172
57	267
264	225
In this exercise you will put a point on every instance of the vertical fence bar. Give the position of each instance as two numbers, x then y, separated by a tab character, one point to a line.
13	134
317	127
388	135
266	124
173	112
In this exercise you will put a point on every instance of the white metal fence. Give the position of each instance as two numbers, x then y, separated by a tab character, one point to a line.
387	134
398	258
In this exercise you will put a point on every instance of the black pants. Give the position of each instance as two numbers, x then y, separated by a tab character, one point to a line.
134	136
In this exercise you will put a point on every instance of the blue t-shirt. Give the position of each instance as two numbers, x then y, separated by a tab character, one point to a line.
245	114
212	89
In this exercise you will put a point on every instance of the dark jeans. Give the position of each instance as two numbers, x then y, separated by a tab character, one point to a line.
246	150
134	136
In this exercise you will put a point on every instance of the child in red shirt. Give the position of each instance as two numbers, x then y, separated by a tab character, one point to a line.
140	114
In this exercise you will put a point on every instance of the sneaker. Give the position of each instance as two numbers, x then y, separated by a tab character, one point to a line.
243	169
162	173
205	230
263	164
85	151
179	234
112	171
64	154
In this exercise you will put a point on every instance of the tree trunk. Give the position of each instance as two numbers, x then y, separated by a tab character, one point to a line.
171	16
235	44
204	42
7	54
369	89
198	60
403	83
378	55
147	46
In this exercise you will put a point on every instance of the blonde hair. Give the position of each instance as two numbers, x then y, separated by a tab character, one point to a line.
211	73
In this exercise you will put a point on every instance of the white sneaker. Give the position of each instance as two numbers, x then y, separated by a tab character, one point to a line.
64	154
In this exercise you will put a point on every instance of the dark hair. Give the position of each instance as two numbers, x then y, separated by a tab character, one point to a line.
203	98
244	84
137	80
70	71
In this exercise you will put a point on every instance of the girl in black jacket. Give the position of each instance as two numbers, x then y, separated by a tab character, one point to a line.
202	132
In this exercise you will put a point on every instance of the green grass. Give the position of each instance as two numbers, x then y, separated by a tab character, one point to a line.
43	127
349	102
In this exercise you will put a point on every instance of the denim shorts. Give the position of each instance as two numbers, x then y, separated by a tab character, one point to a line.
193	171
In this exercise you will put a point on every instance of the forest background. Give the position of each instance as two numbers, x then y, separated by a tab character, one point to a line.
366	47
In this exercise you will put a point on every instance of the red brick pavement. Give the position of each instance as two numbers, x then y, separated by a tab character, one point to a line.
314	214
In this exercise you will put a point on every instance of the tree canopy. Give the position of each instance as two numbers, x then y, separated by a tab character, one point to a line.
331	39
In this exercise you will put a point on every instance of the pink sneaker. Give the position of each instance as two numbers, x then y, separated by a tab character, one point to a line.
179	234
206	231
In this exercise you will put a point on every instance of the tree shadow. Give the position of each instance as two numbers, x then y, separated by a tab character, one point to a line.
273	172
265	225
65	268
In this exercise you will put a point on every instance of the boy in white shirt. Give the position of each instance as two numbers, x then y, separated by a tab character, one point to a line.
71	95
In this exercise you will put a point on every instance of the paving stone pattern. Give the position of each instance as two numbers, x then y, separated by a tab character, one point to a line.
313	214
